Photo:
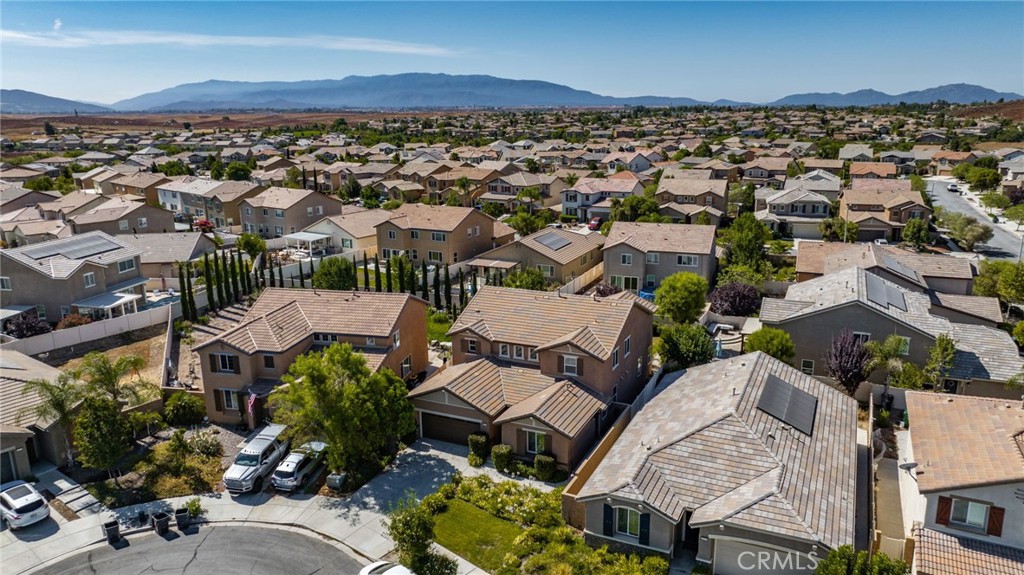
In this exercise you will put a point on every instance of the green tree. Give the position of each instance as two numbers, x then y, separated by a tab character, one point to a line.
529	196
836	229
292	178
745	240
525	223
916	232
995	201
237	171
964	229
703	150
411	526
1015	214
251	244
463	185
101	433
447	288
888	356
424	292
570	180
633	208
982	179
333	395
233	272
703	219
401	272
211	300
335	274
846	561
1018	333
223	295
686	345
493	209
437	288
411	281
681	297
366	273
917	183
846	361
48	129
58	401
111	379
940	360
40	184
771	341
1010	284
388	281
376	274
529	278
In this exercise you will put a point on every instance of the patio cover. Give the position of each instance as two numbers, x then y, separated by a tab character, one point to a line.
107	300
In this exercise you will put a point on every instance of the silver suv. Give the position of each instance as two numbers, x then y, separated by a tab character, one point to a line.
256	461
298	466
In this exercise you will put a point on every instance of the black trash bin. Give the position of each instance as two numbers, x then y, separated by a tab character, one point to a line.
112	531
181	518
161	523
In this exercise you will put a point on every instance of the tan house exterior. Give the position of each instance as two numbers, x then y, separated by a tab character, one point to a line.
639	256
277	211
123	215
881	208
559	254
914	271
389	329
683	199
26	438
161	253
223	203
439	234
354	229
142	184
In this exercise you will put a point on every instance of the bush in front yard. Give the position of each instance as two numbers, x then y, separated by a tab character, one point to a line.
501	454
435	503
184	409
545	467
475	460
478	446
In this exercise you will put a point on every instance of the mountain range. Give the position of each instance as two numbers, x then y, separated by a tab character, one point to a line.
416	90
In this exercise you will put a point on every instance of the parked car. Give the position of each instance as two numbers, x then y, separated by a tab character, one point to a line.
385	568
21	505
595	223
953	188
298	466
881	242
256	461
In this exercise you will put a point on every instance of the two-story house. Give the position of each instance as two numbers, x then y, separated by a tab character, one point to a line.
795	212
186	194
559	254
911	270
578	199
538	370
249	359
967	486
638	256
503	190
684	199
222	204
873	170
123	215
943	162
820	181
90	274
439	234
277	211
766	171
881	208
142	184
354	229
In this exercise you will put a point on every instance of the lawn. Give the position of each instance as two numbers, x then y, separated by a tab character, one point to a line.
479	537
437	328
156	474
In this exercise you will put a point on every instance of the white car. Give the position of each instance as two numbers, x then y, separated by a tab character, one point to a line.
385	568
953	188
21	505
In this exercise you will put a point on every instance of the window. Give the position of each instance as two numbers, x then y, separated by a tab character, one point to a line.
65	311
406	366
5	284
862	336
653	258
569	363
626	259
469	232
90	279
438	236
309	211
41	312
414	234
548	271
230	401
266	212
470	346
319	210
583	260
346	244
650	280
709	200
125	266
615	358
415	254
371	341
570	198
627	521
268	361
517	352
969	513
122	225
807	366
143	223
278	231
395	339
536	441
392	234
434	256
224	363
279	213
503	349
686	260
531	353
627	344
248	211
905	345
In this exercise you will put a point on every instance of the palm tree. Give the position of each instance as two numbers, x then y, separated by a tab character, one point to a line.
463	184
571	179
109	379
59	400
886	355
531	195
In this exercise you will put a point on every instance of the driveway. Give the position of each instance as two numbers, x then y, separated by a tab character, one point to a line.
1004	245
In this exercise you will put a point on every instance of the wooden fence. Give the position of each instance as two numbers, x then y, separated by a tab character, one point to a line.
91	332
581	282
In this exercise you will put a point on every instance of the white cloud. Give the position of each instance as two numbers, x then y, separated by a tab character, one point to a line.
57	24
87	38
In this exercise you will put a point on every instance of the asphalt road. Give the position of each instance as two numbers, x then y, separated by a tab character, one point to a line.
1003	245
225	550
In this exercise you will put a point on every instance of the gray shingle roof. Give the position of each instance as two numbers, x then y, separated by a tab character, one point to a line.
52	258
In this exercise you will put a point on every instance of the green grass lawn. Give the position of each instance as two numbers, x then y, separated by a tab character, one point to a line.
479	537
437	329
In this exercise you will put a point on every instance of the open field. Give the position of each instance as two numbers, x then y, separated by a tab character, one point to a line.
1014	110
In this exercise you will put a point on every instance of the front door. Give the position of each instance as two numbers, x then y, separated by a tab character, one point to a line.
689	538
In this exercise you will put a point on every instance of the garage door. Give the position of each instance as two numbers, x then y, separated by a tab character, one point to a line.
870	235
448	428
736	558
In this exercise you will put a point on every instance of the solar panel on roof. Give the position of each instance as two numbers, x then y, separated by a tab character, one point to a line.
899	267
895	297
794	407
553	241
884	294
75	249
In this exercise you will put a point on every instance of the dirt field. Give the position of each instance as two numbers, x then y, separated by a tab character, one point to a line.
1013	110
148	343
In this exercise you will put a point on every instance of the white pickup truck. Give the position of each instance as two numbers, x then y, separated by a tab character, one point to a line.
257	461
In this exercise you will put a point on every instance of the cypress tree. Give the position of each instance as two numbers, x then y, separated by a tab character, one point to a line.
243	273
270	268
447	288
376	274
388	270
412	279
472	283
235	285
424	292
232	297
462	290
208	277
192	313
355	270
301	283
366	273
183	285
437	290
219	273
401	275
280	274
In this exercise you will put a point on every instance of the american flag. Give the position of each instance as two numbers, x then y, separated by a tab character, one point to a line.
252	402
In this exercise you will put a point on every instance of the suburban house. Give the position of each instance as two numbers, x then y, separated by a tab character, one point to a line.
25	438
943	162
876	170
881	211
638	256
794	212
69	205
15	198
834	167
277	211
91	274
816	311
142	184
911	270
123	215
588	193
856	153
222	204
559	254
439	234
766	171
821	182
354	229
186	195
732	460
538	370
161	253
967	486
503	190
250	358
684	199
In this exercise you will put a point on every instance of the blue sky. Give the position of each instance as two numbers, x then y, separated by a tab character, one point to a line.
759	51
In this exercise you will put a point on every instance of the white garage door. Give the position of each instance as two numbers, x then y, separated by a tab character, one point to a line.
736	558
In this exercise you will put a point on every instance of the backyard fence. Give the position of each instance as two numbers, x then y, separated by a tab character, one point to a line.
581	282
78	335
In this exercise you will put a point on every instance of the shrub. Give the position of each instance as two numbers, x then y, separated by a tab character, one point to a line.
478	445
605	290
145	423
882	419
501	454
436	564
194	507
565	219
736	299
184	409
773	341
686	345
182	326
475	460
435	503
701	569
205	443
448	490
73	320
545	466
203	320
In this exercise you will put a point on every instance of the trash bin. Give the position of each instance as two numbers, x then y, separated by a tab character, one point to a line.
181	518
161	523
112	531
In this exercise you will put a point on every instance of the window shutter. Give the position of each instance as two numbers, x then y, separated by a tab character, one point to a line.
547	444
520	441
561	364
579	366
943	510
464	345
609	520
995	521
238	365
645	529
218	400
213	363
238	401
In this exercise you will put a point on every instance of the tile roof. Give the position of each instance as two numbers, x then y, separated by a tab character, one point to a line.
488	384
671	238
358	222
539	319
983	307
701	444
691	187
283	198
169	247
17	368
938	553
606	185
111	210
878	168
566	407
826	257
51	259
428	217
579	244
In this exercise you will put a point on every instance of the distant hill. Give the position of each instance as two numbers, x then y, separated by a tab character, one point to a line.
953	93
25	102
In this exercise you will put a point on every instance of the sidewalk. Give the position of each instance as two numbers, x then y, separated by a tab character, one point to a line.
355	522
975	201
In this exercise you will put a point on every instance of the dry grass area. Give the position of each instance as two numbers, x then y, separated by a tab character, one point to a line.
1014	110
147	343
989	146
